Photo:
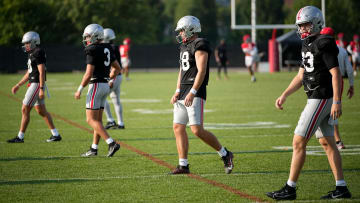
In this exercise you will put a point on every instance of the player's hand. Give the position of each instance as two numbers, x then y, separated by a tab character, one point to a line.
279	102
111	84
15	89
174	98
41	94
189	99
77	95
350	92
336	111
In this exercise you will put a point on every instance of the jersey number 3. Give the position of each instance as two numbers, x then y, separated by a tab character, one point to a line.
185	65
107	53
308	60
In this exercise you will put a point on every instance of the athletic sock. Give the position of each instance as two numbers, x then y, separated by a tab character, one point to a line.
21	135
54	132
340	183
109	140
94	146
222	152
183	162
291	183
121	124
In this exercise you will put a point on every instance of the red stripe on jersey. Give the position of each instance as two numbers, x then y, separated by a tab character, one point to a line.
93	95
314	121
34	95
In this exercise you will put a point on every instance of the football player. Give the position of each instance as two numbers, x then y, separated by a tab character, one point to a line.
354	49
125	59
109	36
99	59
221	59
190	95
34	97
340	41
345	70
251	56
321	78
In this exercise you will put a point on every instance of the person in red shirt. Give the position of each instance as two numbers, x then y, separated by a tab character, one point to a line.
124	54
340	41
251	55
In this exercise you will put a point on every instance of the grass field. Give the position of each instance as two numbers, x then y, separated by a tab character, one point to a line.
240	113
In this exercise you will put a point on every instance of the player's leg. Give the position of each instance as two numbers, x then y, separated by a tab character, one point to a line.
110	119
223	63
41	110
115	97
218	71
196	119
354	60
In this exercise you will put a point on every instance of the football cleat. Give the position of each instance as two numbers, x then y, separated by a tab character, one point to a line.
285	193
340	145
110	125
91	152
16	140
54	138
228	161
180	170
340	192
121	127
113	147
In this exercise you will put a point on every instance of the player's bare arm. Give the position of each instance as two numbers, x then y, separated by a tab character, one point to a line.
175	97
201	58
336	107
85	80
20	83
41	68
115	70
294	85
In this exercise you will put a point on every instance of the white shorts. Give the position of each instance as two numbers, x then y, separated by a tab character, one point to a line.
355	57
32	95
316	115
125	62
249	60
96	96
193	114
115	90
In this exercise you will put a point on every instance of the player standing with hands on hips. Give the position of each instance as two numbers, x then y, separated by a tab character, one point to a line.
320	76
99	59
190	94
35	94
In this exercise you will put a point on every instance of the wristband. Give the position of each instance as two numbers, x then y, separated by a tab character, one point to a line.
336	102
193	91
80	88
177	90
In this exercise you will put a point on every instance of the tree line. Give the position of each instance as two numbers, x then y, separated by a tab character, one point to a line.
154	21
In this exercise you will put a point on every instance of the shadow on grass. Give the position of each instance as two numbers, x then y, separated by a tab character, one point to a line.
56	181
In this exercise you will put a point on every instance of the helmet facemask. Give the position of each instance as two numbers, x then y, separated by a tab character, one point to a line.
188	33
186	27
305	34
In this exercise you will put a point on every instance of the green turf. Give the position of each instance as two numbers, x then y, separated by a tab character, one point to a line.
54	172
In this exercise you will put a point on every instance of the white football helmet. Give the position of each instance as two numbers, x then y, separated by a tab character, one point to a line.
190	24
309	14
109	35
31	37
95	32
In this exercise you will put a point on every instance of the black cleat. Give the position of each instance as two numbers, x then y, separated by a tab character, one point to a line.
54	138
113	147
180	170
121	127
91	152
16	140
285	193
340	192
110	125
228	161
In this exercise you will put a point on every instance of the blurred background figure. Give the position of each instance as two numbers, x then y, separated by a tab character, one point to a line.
354	49
340	40
221	59
125	59
251	55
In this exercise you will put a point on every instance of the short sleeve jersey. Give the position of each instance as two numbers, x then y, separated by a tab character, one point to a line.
101	56
35	57
189	69
222	52
124	50
319	55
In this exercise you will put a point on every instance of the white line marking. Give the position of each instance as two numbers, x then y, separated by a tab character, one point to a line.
318	150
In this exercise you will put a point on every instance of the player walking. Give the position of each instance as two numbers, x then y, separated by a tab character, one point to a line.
125	59
251	55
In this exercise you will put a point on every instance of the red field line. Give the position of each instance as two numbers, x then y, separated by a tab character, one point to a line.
156	160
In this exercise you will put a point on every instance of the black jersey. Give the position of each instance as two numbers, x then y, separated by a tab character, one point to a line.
189	69
36	57
319	55
101	56
222	52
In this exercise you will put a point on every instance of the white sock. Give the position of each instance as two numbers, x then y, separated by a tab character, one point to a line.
109	140
222	152
183	162
121	124
21	135
291	183
340	183
94	146
54	132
